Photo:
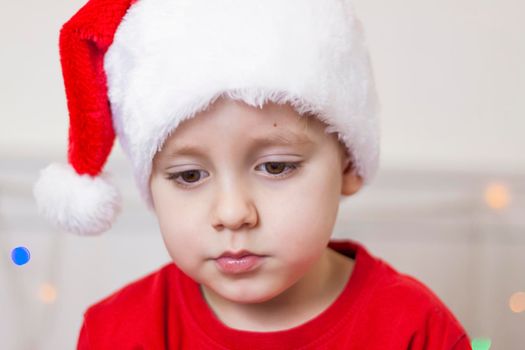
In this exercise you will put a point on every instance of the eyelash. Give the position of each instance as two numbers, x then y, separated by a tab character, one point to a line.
290	165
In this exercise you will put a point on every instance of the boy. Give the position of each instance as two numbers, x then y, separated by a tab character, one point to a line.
245	121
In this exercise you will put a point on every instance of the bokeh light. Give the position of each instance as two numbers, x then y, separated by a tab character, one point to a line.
20	255
517	302
47	293
481	344
497	196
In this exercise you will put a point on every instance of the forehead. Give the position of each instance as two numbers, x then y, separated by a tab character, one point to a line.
228	121
276	121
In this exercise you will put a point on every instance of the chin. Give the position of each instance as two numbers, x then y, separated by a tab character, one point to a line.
248	293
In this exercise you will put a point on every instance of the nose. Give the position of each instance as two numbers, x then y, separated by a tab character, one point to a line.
234	209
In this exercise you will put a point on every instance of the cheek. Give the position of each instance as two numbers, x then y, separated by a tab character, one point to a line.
305	217
179	226
184	243
171	208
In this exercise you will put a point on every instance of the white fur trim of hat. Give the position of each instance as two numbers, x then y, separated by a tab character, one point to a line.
171	58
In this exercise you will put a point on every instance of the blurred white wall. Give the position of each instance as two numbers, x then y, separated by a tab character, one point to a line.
449	73
451	82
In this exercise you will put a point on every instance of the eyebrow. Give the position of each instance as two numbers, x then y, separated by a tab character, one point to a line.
288	138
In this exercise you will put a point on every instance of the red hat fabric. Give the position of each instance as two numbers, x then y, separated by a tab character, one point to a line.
75	197
84	40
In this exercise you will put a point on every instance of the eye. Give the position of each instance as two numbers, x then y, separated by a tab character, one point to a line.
188	177
277	168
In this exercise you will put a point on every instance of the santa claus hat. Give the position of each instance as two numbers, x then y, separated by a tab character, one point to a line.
137	69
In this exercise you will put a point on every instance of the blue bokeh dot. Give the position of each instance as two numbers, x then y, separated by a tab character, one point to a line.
20	255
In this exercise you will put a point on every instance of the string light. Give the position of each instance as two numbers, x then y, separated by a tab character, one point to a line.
481	344
47	293
517	302
497	196
20	255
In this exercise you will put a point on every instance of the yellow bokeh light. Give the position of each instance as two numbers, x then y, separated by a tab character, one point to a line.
517	302
47	293
497	196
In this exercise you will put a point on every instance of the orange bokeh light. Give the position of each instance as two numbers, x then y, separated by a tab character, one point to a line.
47	293
497	196
517	302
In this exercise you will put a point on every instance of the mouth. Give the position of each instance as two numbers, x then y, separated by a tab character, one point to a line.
237	255
239	262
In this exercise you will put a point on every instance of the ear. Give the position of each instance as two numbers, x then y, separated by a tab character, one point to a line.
351	181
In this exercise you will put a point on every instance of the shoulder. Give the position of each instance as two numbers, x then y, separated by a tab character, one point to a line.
401	306
129	312
382	283
416	313
136	294
408	296
430	323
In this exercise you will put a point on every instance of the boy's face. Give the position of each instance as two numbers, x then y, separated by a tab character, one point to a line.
241	186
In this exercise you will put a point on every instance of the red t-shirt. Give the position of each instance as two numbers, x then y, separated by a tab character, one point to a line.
379	308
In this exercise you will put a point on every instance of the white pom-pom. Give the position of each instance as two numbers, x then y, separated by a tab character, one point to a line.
80	204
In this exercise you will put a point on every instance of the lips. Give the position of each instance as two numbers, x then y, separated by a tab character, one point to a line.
238	262
237	255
